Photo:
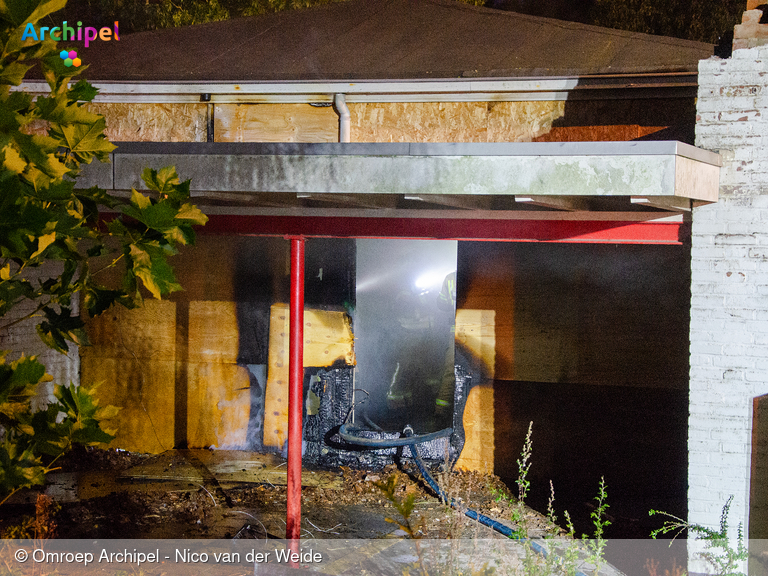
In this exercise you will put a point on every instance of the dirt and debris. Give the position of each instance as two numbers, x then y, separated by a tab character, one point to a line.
108	501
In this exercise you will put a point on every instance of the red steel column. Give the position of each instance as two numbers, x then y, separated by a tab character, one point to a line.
295	384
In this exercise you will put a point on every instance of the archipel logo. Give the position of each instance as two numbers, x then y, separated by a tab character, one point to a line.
70	58
66	33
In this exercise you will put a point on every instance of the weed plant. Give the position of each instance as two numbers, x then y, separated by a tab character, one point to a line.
559	555
720	552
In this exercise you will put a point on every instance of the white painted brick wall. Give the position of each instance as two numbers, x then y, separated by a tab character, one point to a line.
23	338
729	287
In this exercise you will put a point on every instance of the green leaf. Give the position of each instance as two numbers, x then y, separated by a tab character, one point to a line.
12	160
192	213
139	201
60	327
82	91
87	141
19	469
149	264
83	413
18	384
42	243
98	299
163	181
13	73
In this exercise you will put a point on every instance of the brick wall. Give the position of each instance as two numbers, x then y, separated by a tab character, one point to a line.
729	289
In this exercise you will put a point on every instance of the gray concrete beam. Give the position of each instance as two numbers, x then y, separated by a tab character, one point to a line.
532	169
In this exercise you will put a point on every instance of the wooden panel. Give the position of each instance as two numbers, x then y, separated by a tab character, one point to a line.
597	133
489	284
143	390
133	354
218	390
476	333
452	121
522	121
213	332
225	466
153	122
208	251
328	335
275	123
276	395
148	332
328	340
479	437
419	122
218	405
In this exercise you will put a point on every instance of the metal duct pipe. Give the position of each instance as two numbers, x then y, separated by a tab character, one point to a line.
295	383
345	120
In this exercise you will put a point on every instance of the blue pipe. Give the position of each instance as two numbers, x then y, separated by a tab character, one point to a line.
411	440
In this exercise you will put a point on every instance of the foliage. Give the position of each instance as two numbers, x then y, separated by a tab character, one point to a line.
139	16
596	544
30	436
560	555
523	465
413	527
52	235
41	526
703	20
720	552
700	20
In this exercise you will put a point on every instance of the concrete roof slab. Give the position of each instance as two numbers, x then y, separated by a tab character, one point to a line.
594	170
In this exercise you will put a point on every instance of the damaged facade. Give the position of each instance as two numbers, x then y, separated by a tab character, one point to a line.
542	152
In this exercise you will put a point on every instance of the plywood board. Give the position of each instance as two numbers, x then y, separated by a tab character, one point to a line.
328	340
275	123
479	437
522	121
218	405
148	332
476	333
143	390
218	390
328	335
276	395
153	122
490	285
597	133
213	332
221	252
452	121
133	356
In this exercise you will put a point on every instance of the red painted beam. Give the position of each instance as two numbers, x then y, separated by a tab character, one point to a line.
295	383
580	231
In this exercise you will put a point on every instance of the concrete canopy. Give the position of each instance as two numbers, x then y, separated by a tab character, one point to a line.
571	181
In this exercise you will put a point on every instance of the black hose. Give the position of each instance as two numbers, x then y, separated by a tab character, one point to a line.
347	434
411	440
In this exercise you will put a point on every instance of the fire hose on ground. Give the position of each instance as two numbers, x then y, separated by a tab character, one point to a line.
411	440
